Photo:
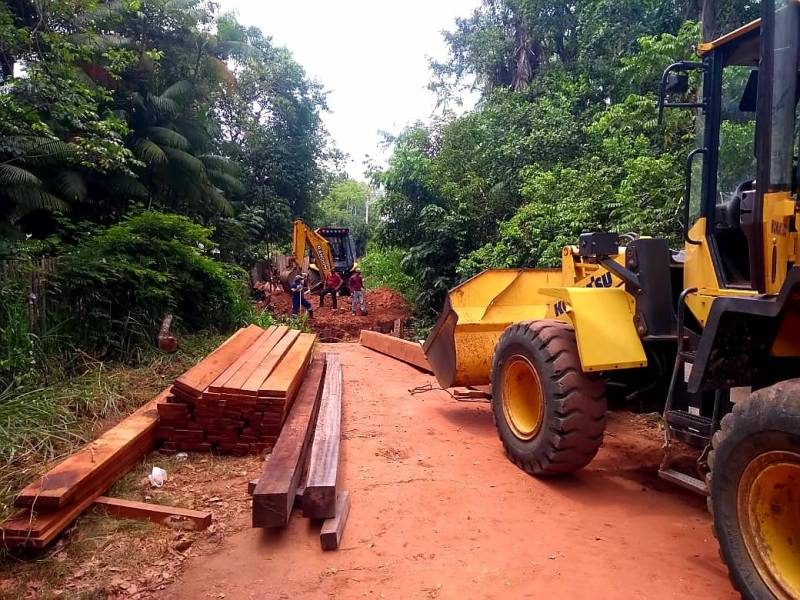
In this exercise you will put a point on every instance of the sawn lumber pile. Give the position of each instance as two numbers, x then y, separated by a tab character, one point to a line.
236	400
303	468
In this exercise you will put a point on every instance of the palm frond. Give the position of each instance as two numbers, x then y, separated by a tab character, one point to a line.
149	152
184	160
221	163
72	186
164	108
227	182
12	175
39	150
128	186
168	137
218	201
28	199
180	91
194	131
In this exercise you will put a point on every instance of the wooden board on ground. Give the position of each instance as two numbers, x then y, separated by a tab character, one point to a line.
28	529
173	516
402	350
119	447
286	378
275	492
471	393
207	370
319	501
330	536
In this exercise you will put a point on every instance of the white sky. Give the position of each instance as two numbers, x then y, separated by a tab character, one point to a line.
371	56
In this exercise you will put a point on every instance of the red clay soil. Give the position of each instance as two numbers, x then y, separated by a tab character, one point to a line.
384	306
438	511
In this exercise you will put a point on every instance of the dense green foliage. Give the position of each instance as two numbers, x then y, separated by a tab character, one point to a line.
116	285
383	267
346	205
564	139
146	148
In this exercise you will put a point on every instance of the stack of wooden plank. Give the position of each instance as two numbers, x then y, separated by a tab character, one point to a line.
304	465
236	400
51	503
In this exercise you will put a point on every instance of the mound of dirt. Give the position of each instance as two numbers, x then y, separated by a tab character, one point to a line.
384	307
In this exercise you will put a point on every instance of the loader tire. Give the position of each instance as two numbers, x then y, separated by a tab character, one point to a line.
754	486
549	415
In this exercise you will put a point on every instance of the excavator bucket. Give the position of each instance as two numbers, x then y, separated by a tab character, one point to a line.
461	344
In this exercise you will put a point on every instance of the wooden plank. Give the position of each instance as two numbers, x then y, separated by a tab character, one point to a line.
298	497
254	356
26	529
319	501
68	479
218	384
285	379
270	362
402	350
173	516
330	536
207	370
277	487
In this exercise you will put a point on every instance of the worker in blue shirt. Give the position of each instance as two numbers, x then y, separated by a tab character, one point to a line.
298	289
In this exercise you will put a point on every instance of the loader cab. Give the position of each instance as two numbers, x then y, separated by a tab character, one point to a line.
746	137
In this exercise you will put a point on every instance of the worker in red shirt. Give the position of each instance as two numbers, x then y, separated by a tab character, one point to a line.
333	283
356	285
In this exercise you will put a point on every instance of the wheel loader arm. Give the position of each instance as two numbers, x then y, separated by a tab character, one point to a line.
604	327
318	247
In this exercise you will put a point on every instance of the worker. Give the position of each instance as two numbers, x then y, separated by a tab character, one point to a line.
298	289
333	283
357	292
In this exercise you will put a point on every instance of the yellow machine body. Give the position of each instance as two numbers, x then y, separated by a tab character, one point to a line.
461	345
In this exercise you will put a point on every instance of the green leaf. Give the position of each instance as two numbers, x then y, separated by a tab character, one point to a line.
168	137
180	91
184	160
72	186
12	175
28	199
149	152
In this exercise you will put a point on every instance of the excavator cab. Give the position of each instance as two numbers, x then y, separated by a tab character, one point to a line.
343	250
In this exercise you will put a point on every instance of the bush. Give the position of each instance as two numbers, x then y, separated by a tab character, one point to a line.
383	267
116	285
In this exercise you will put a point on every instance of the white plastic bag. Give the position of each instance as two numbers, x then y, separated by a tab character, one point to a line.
157	477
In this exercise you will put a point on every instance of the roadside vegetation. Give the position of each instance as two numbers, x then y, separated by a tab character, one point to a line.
150	152
563	140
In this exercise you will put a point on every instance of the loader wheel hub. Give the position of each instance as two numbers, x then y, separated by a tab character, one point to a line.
769	519
522	397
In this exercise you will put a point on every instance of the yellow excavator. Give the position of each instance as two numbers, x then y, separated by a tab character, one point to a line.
710	331
328	249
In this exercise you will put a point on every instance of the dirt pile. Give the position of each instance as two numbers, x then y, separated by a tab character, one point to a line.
384	307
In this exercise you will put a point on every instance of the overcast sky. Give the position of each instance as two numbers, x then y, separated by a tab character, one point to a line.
371	55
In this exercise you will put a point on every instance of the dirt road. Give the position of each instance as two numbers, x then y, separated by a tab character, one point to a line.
439	512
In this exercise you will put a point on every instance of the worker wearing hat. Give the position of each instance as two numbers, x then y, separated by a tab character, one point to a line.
356	285
298	289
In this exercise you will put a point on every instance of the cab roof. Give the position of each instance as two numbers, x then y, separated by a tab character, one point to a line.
735	35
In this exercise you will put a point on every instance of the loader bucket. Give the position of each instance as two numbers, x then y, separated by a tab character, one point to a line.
461	344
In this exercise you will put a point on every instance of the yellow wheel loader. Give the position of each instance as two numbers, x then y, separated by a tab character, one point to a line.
711	331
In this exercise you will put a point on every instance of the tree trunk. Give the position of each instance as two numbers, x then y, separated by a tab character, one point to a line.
710	19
